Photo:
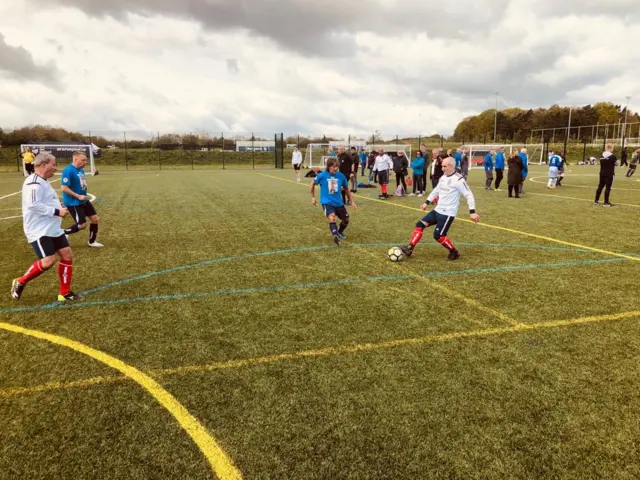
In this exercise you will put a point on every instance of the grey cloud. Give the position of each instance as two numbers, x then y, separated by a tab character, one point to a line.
18	63
323	29
232	66
628	10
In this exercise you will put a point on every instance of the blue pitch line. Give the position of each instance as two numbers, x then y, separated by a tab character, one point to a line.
278	288
297	250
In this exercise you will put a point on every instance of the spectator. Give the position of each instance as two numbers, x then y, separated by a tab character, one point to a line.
417	166
514	175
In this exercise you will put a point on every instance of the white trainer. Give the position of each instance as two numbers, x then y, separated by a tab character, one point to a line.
95	245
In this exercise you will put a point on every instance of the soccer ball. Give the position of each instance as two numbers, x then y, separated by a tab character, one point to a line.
395	254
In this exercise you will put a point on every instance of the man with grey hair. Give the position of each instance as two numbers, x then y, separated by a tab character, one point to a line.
42	217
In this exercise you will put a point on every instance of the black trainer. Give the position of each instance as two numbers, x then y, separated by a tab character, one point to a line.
407	251
454	254
70	297
336	239
16	289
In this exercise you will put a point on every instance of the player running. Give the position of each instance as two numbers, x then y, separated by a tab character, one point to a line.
42	217
554	165
331	182
449	189
75	198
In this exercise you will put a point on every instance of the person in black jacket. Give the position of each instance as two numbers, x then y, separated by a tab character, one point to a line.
345	162
607	172
400	168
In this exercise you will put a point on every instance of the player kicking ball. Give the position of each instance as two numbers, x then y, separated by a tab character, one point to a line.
42	217
449	189
75	198
331	183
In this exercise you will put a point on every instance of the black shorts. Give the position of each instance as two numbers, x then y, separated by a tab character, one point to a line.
442	223
340	212
383	177
80	212
47	246
296	166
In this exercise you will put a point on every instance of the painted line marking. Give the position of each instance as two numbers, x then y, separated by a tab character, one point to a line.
9	218
324	352
220	463
535	180
92	198
297	286
578	198
488	225
20	191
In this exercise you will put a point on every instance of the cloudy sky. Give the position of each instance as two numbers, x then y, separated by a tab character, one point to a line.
307	66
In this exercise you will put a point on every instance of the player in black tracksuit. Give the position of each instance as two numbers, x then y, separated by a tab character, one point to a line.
346	165
607	171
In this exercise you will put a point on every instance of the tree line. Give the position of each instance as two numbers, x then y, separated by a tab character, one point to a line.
514	125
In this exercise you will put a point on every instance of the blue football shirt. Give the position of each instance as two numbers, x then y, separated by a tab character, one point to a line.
331	187
75	179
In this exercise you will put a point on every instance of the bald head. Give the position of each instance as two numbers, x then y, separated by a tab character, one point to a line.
449	166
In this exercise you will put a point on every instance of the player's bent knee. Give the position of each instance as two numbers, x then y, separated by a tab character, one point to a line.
65	254
95	219
421	224
332	217
82	226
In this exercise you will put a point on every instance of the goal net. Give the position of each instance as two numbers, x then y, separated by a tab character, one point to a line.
477	153
63	153
317	154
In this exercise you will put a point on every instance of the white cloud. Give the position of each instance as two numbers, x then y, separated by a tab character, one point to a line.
398	66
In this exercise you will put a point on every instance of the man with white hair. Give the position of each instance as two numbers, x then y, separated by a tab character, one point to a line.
42	217
383	165
449	189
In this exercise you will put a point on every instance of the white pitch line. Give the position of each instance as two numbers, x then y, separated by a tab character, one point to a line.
20	191
92	198
534	180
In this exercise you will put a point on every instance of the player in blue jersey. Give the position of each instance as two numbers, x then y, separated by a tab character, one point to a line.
331	183
76	200
555	162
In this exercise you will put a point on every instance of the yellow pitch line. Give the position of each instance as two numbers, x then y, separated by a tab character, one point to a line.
328	351
496	227
577	198
221	465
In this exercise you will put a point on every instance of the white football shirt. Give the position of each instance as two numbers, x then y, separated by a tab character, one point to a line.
39	205
449	189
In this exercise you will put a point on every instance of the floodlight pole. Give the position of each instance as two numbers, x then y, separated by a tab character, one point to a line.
624	130
566	139
495	118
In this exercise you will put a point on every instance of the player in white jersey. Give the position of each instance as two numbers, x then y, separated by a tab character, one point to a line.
449	189
382	166
296	161
42	217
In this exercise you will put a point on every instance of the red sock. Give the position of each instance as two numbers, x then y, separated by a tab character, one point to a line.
416	236
65	272
34	271
446	243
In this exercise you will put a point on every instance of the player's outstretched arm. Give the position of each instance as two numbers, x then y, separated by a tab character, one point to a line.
464	189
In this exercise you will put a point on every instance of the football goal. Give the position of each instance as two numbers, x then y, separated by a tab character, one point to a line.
477	153
63	153
317	154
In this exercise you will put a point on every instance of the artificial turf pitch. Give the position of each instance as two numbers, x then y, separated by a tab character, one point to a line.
300	359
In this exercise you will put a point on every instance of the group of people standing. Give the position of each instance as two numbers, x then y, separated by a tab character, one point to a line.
518	169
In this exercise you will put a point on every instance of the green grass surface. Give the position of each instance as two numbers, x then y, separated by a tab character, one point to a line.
306	360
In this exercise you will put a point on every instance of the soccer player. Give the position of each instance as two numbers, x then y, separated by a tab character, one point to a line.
488	169
296	161
449	189
331	183
607	172
28	158
561	168
75	198
635	158
42	217
382	166
554	165
499	168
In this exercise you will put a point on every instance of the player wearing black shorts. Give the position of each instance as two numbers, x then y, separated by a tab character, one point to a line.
75	198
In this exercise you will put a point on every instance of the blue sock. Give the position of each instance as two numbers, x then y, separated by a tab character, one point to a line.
333	228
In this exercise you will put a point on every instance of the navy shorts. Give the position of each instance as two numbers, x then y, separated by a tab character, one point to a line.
442	223
47	246
341	212
80	212
383	177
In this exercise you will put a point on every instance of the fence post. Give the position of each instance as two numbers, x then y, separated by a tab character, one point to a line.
222	133
584	150
253	150
159	161
441	141
126	160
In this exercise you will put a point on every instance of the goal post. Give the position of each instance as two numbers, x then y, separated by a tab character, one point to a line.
477	153
63	153
317	154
